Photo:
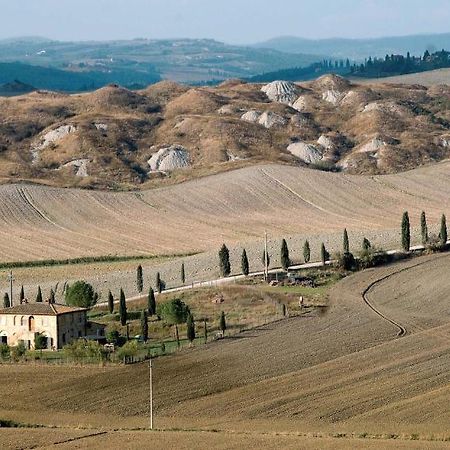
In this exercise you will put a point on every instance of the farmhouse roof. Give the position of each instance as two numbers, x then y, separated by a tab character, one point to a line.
41	309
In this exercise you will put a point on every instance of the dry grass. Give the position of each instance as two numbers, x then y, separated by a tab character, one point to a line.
430	78
167	114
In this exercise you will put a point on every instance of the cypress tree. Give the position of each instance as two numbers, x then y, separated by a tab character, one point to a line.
346	242
144	326
183	274
22	295
222	322
52	296
139	279
323	254
6	302
190	330
424	228
244	263
406	232
159	285
285	261
151	302
110	302
443	237
366	245
263	259
307	252
39	295
224	261
123	308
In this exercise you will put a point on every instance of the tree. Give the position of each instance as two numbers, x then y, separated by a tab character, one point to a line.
307	252
22	295
40	341
285	261
174	312
110	302
222	322
190	328
52	296
123	308
406	232
224	261
346	243
144	326
158	282
39	295
244	263
81	294
6	302
139	279
205	331
366	245
151	302
183	274
443	237
323	254
424	228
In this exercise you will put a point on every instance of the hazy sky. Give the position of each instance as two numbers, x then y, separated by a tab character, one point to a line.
235	21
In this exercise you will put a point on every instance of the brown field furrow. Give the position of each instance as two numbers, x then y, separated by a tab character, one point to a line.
199	215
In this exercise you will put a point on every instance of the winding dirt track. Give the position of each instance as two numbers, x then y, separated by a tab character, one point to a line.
345	370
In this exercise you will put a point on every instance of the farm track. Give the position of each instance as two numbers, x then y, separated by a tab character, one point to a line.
295	375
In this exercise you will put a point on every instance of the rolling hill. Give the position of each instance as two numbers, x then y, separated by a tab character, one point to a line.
359	49
167	133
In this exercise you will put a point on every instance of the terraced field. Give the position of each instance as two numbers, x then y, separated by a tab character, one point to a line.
345	373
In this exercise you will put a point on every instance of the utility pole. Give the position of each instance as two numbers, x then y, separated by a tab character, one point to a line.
150	367
11	280
266	258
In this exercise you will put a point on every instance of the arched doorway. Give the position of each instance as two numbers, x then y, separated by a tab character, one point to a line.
31	323
3	337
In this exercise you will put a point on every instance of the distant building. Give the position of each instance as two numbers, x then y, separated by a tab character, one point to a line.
60	324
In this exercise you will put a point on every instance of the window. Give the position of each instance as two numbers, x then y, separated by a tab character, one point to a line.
22	321
15	321
31	323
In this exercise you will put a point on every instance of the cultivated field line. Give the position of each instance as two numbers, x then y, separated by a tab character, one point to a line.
402	330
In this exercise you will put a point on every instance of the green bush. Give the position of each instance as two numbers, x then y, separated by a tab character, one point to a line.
131	348
5	352
81	294
173	312
346	261
81	348
372	257
18	351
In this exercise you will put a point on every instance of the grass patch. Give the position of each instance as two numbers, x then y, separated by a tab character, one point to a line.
86	260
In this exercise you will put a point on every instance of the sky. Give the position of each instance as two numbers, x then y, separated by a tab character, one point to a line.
232	21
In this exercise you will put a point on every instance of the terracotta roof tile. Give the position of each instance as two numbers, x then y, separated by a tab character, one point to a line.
40	309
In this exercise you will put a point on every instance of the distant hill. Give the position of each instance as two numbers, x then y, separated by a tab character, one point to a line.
64	80
358	49
430	78
182	60
15	88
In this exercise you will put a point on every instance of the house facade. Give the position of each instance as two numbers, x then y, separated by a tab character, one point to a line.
59	324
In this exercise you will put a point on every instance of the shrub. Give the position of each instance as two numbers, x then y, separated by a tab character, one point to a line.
373	257
40	341
84	349
5	351
81	294
130	349
18	351
346	261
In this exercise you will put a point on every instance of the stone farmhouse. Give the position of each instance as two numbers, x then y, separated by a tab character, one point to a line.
60	324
